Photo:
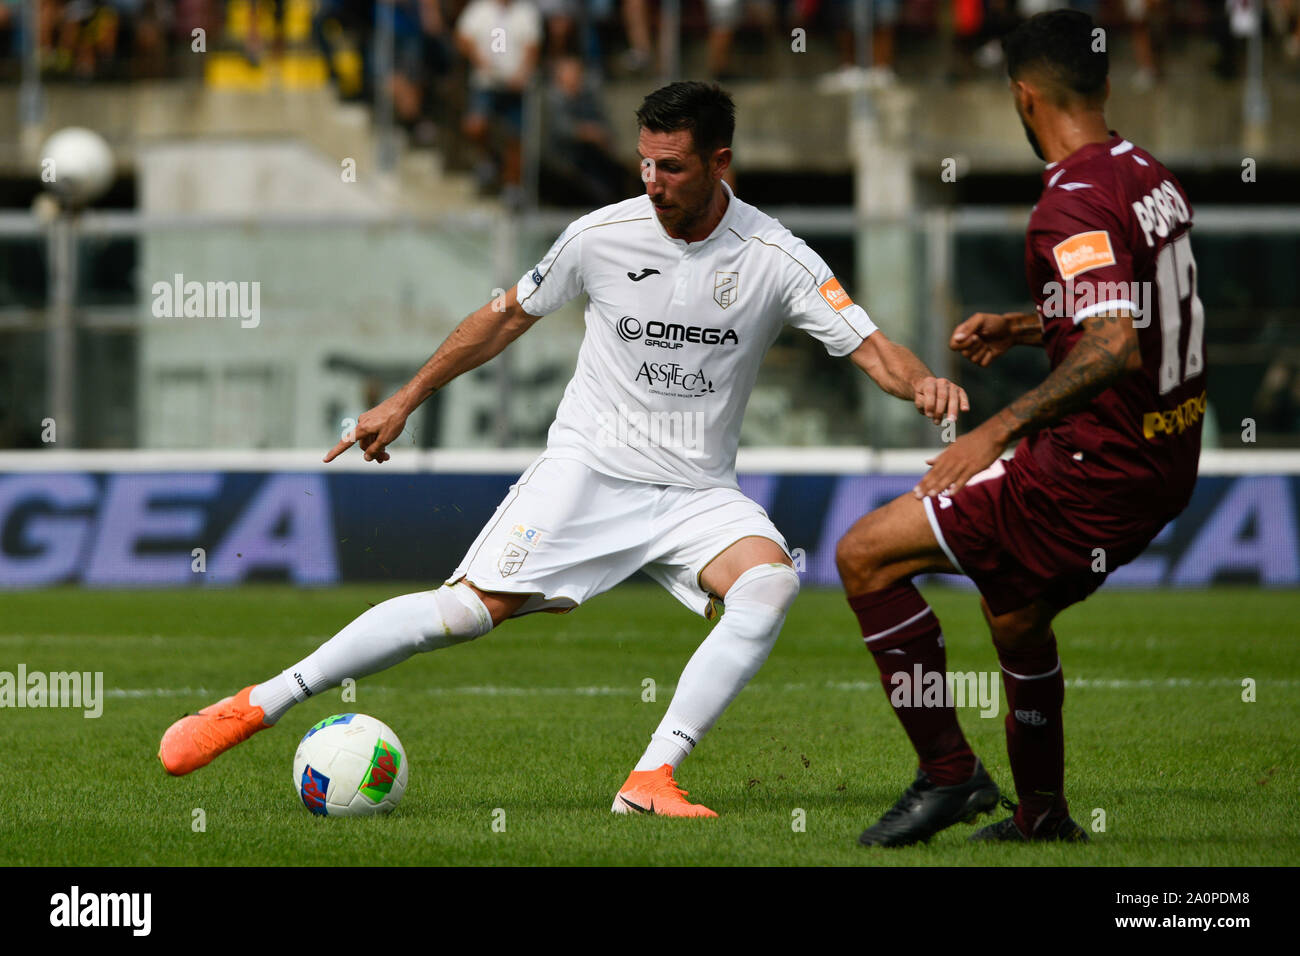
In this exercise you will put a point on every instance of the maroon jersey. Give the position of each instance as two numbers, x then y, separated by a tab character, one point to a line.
1111	232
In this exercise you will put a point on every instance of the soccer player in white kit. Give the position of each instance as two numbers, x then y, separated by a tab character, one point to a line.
688	286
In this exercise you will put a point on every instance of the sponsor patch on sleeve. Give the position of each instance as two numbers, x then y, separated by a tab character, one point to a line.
834	294
1084	251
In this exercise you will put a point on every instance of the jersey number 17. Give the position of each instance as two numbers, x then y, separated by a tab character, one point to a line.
1176	287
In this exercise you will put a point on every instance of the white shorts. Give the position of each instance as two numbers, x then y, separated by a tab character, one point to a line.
565	533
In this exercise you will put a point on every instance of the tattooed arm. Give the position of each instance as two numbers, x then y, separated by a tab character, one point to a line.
1107	351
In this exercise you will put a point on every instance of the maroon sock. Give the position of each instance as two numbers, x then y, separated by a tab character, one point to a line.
1035	739
903	635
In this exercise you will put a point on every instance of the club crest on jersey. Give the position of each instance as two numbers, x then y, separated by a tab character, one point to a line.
1084	251
834	294
726	287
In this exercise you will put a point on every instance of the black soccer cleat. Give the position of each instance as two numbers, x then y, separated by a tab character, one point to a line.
1064	830
924	809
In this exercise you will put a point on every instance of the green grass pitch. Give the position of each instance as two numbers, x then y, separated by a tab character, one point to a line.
543	719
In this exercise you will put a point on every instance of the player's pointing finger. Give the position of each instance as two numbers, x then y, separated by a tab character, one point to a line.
339	449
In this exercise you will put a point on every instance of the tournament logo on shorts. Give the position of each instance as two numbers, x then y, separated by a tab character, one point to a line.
529	536
726	287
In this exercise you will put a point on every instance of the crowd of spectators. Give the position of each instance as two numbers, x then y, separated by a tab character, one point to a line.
460	67
122	38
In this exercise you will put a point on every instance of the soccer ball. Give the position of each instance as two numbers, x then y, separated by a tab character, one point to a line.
79	164
350	765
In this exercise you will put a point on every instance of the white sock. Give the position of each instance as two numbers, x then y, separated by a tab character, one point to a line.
732	653
385	635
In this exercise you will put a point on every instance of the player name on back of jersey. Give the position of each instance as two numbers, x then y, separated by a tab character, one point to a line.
1161	211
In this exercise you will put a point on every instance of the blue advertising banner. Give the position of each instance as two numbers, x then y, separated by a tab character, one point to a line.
220	528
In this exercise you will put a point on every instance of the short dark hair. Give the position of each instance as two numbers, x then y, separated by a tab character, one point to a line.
703	108
1059	45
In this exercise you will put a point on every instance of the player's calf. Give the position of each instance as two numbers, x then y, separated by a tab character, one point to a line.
756	605
381	637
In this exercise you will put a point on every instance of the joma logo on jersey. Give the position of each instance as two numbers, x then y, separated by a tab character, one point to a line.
726	287
670	375
672	336
1084	251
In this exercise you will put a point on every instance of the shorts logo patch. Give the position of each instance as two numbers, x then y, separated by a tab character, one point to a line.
1084	251
512	559
726	286
834	294
529	536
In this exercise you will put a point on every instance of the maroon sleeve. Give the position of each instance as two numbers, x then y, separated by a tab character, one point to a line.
1081	263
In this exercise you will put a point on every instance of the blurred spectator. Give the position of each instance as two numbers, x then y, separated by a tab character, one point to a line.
724	17
578	167
1276	404
636	21
340	26
1148	20
501	39
10	14
1285	17
978	26
563	24
884	23
421	58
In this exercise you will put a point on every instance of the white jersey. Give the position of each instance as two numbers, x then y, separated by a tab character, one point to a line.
675	335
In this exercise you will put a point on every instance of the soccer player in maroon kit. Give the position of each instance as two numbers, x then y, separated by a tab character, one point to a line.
1107	448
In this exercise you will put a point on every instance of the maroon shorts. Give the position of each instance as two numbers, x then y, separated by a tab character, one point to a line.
1022	540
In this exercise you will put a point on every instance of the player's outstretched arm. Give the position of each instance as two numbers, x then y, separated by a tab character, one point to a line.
1107	351
900	373
986	335
482	336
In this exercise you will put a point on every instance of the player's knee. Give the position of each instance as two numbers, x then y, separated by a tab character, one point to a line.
862	561
1018	631
456	615
854	554
762	595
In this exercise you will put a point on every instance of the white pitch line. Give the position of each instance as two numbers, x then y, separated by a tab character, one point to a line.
491	690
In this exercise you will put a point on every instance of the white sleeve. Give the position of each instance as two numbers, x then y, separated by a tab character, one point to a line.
557	279
818	304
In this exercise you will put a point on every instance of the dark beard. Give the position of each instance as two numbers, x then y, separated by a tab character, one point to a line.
1033	141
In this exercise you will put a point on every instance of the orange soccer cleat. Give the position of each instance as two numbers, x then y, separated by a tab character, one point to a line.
196	740
655	791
